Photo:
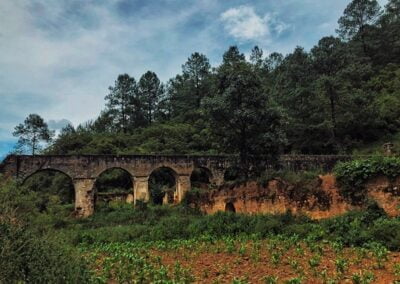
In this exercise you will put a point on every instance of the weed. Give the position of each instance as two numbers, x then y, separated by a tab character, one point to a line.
363	278
296	280
341	265
270	279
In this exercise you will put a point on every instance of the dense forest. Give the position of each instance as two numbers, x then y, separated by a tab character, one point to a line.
340	95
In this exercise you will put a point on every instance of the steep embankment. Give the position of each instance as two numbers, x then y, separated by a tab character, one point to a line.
318	198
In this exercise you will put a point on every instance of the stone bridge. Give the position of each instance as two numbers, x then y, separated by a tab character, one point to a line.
85	169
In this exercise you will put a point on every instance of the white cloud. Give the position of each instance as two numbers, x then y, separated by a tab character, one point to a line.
244	24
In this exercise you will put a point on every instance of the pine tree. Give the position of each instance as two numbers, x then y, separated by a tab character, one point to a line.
33	131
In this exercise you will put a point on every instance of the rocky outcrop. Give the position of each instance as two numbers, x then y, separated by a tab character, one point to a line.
318	198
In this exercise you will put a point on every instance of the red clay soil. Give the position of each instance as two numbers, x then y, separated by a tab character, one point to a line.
318	199
223	267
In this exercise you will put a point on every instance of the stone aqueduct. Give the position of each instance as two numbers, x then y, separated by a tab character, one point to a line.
85	169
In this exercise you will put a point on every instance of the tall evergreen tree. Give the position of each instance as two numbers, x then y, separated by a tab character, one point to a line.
273	61
256	56
150	91
122	102
241	114
196	71
292	89
33	131
357	16
329	58
387	35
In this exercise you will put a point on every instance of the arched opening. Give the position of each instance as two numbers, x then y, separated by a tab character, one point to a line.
54	188
231	174
229	207
162	186
113	185
200	178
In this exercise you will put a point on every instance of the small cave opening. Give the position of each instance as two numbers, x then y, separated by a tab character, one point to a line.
229	207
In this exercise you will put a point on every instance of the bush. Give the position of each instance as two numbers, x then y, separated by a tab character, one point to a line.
353	175
387	232
29	258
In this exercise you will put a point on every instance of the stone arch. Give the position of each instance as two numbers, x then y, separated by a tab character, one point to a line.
230	207
117	186
99	171
201	176
27	176
51	183
163	183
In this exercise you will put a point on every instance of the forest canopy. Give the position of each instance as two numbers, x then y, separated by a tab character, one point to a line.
340	95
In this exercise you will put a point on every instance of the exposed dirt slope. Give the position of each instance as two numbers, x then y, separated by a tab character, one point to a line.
319	198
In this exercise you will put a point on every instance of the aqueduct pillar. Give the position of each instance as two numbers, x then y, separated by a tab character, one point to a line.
84	196
182	186
141	189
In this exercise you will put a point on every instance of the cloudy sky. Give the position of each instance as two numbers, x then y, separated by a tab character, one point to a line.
58	57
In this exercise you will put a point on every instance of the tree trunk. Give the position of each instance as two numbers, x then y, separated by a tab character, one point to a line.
333	113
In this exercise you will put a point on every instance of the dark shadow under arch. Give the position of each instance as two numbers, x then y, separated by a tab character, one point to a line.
232	174
200	177
113	184
162	185
54	186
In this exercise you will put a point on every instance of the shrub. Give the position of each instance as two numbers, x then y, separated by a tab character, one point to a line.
387	232
29	258
353	175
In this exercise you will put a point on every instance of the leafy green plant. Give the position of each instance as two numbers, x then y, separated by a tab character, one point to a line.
240	280
314	261
363	277
353	175
276	257
242	249
396	269
341	265
380	252
271	279
294	264
295	280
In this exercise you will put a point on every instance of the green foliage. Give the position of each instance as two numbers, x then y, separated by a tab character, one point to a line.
32	133
363	278
123	106
340	96
51	186
114	180
150	91
357	16
241	113
135	264
27	254
27	257
353	175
